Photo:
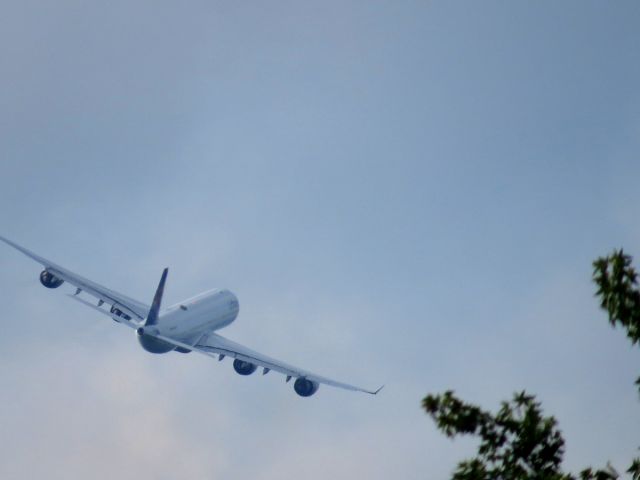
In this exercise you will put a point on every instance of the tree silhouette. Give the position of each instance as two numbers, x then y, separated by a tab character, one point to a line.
617	283
519	442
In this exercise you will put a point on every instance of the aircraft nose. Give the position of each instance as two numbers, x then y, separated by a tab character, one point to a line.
233	301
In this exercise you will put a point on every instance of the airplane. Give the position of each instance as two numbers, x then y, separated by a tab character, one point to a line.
184	327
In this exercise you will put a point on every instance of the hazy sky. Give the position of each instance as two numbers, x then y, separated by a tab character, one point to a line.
408	193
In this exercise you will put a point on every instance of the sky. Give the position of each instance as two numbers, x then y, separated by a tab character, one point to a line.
401	193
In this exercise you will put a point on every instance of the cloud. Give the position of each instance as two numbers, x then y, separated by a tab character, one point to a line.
100	414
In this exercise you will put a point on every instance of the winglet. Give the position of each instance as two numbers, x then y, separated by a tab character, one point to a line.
377	391
152	318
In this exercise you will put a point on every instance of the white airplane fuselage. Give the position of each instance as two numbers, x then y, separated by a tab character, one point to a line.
187	321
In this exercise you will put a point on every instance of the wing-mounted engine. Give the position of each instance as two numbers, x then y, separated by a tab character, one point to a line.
244	368
49	280
305	388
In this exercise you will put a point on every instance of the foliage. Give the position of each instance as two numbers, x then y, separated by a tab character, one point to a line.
617	283
519	442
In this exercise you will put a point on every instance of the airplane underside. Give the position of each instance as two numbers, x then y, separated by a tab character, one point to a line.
154	345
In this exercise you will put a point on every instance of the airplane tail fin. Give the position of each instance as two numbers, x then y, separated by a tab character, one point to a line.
152	318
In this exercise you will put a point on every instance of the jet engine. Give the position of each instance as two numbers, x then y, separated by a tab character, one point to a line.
49	280
244	368
305	388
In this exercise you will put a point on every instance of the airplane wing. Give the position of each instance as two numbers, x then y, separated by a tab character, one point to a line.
217	344
132	308
214	345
